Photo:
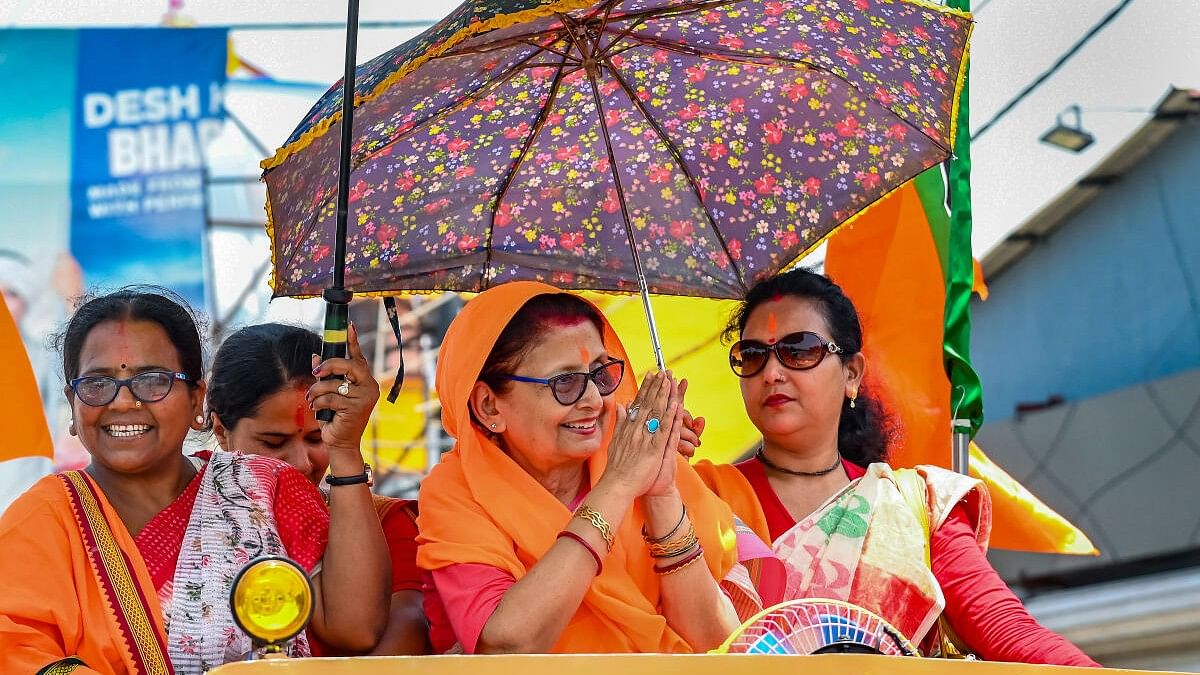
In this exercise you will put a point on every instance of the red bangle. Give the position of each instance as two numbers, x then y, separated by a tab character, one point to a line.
676	566
595	556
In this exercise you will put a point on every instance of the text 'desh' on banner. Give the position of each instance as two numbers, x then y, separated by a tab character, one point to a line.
148	102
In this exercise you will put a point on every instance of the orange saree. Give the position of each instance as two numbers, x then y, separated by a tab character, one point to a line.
75	595
479	506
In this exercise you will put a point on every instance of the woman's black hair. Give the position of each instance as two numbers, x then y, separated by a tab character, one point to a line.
256	362
520	336
865	431
136	303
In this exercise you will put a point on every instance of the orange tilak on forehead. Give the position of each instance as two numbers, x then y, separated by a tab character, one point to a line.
584	357
300	414
123	334
772	327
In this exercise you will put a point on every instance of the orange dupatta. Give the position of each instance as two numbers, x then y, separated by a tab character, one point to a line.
74	585
478	506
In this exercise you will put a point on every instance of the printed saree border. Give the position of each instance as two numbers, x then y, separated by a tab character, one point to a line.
114	572
63	666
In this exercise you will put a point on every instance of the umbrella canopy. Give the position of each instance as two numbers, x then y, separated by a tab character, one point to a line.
563	140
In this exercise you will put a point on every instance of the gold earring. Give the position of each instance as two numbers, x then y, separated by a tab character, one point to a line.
494	425
853	398
200	420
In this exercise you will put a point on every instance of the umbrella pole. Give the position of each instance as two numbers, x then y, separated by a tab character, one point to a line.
337	298
654	343
591	68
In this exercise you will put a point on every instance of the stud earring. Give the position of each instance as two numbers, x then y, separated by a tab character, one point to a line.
494	425
200	420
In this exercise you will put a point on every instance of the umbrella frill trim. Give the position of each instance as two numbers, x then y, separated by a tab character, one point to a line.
271	238
964	68
494	23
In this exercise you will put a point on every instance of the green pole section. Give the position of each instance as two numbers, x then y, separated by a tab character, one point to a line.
966	393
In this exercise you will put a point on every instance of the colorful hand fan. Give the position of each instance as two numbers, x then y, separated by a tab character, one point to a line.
817	626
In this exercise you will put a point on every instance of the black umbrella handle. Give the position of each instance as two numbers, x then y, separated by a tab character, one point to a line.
333	344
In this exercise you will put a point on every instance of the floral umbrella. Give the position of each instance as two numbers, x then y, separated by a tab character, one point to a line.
683	147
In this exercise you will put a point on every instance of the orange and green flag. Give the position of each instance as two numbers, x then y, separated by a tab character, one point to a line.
907	264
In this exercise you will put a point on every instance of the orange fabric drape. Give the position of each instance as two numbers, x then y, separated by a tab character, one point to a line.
30	438
51	605
888	264
478	506
732	486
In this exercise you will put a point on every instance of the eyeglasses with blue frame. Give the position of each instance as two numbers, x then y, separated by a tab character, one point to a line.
568	388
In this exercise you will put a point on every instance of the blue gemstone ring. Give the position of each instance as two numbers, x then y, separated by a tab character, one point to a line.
653	424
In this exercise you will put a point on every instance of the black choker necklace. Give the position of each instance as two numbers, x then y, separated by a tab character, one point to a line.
762	457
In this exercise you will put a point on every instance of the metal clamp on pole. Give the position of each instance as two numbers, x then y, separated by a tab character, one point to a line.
961	444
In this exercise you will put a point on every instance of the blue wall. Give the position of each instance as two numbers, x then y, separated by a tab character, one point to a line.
1110	300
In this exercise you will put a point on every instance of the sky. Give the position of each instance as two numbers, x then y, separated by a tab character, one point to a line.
1116	79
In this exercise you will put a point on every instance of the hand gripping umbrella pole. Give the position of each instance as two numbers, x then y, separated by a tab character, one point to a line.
337	298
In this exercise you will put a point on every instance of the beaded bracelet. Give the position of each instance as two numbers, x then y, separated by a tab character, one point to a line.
675	567
676	546
665	537
595	556
597	521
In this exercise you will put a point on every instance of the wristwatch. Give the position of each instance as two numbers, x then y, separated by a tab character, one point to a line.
367	476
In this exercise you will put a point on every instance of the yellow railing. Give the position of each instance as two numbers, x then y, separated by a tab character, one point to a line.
636	664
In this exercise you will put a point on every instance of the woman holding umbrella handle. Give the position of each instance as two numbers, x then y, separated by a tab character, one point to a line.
261	397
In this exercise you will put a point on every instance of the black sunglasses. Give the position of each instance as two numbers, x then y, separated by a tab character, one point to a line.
568	388
149	387
798	351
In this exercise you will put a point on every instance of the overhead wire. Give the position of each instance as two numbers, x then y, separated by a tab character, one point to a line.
1049	72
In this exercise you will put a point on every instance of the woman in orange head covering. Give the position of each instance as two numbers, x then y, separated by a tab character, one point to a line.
563	521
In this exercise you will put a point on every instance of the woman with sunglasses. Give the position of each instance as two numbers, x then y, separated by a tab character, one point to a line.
564	521
908	545
258	400
126	566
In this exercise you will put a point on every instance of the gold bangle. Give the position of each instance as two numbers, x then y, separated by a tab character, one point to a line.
597	521
685	547
676	546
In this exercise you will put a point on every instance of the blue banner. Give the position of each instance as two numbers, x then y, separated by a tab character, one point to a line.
147	103
102	139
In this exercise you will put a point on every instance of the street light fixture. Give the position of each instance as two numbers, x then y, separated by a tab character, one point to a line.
1072	138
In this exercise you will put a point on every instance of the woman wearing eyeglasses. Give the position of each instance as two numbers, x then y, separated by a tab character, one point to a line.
908	545
562	521
126	567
